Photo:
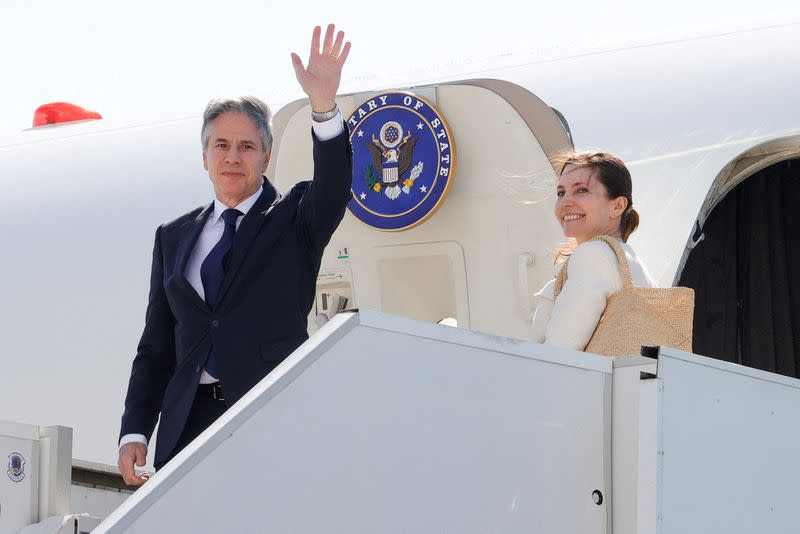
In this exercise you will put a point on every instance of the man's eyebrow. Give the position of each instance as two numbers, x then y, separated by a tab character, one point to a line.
242	142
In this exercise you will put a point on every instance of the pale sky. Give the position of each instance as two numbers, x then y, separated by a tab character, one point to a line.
156	60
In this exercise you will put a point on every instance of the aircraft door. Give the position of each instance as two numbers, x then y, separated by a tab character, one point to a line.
476	252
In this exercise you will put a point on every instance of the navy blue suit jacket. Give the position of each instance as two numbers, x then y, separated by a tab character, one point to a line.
267	293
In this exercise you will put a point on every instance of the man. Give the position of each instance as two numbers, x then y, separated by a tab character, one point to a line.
232	282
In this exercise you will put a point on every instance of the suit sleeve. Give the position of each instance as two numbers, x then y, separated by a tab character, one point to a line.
154	363
325	201
592	277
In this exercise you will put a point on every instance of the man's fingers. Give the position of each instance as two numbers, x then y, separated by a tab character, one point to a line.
141	456
345	52
297	63
326	47
131	454
337	45
125	468
315	42
125	465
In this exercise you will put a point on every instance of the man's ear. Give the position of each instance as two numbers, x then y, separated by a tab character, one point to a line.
266	161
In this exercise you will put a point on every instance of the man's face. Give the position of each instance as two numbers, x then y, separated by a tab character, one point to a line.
234	157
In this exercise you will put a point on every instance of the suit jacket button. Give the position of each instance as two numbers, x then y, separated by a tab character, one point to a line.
215	323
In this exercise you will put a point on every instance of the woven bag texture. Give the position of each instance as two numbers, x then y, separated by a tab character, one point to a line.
636	316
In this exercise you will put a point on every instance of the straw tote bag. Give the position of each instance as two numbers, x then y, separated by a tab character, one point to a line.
636	316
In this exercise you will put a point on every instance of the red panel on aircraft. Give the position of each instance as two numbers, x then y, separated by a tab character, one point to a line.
58	112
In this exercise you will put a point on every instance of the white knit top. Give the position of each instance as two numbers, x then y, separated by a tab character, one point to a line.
592	277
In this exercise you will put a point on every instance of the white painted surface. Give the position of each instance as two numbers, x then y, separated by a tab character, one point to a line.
55	473
730	438
380	424
648	507
19	499
97	502
95	498
63	524
499	206
625	423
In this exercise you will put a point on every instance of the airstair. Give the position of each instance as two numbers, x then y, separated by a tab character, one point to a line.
385	424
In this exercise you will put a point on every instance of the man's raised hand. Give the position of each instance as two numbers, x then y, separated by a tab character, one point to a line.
320	80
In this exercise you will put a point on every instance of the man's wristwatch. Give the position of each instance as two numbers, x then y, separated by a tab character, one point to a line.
325	115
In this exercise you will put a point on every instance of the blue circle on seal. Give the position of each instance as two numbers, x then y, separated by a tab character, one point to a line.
403	161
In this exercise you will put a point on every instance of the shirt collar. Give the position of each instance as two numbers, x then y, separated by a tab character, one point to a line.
243	206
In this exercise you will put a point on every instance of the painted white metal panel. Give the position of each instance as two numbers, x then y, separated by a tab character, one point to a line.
729	437
63	524
19	491
649	462
55	447
97	502
97	489
625	458
382	424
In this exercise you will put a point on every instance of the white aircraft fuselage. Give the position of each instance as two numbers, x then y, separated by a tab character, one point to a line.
83	200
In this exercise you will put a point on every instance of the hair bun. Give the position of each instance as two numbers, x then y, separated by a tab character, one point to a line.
630	223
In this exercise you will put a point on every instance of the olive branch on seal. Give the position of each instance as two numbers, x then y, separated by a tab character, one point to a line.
371	175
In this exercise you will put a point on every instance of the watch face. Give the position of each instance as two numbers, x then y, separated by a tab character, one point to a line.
403	161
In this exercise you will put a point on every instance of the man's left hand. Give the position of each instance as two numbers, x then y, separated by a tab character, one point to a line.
320	80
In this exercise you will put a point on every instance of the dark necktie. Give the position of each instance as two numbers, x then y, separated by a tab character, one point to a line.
212	272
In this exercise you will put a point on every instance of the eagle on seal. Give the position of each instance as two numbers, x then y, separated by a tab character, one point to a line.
392	163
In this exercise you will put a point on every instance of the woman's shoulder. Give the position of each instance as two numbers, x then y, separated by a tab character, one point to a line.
598	256
593	265
592	254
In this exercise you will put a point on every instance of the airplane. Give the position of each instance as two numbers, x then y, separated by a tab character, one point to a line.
705	124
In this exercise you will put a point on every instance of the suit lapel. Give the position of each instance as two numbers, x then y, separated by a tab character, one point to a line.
189	237
248	229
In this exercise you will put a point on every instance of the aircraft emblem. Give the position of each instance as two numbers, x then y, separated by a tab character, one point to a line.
403	161
16	467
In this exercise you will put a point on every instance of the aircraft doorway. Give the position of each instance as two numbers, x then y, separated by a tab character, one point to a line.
484	248
746	273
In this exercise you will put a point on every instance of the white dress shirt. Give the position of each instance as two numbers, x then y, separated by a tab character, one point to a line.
212	233
570	319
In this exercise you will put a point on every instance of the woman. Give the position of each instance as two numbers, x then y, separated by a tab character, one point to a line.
594	197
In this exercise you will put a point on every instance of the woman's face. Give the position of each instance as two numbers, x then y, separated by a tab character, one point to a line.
582	205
